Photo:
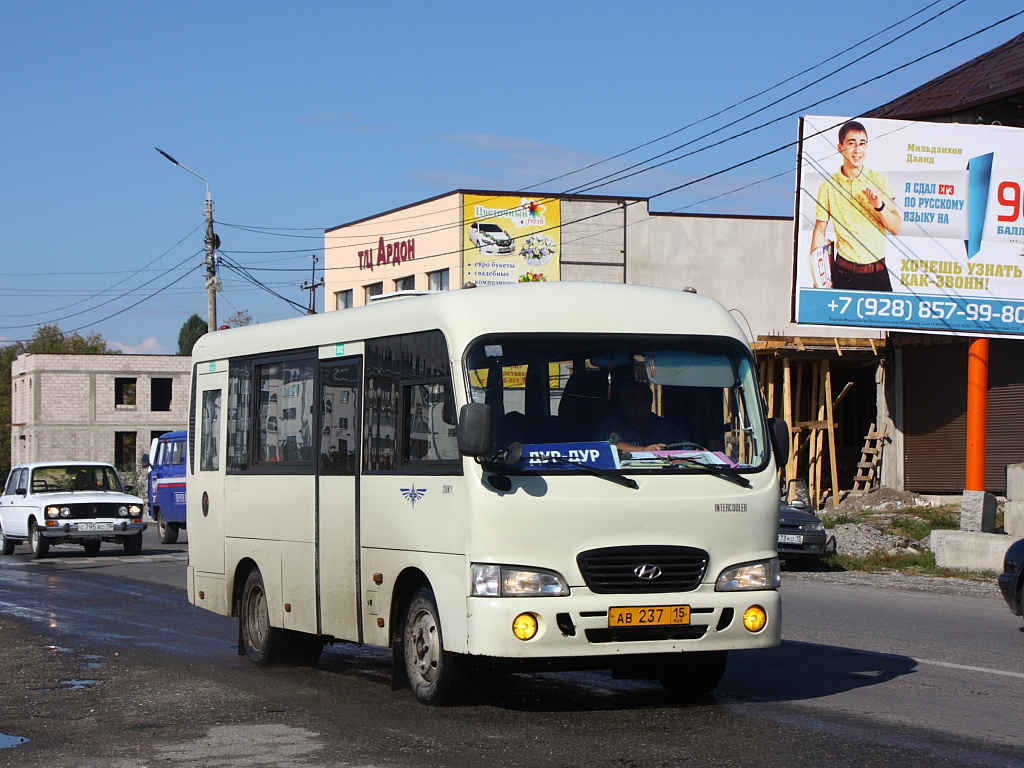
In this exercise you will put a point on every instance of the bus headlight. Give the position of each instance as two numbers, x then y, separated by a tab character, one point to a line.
505	581
764	574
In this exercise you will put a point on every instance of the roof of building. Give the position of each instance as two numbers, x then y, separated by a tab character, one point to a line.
996	75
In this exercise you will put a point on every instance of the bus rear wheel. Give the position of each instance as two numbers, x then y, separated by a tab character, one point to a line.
693	675
435	675
263	643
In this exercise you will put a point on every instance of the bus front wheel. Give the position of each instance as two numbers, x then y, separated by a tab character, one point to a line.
263	643
435	675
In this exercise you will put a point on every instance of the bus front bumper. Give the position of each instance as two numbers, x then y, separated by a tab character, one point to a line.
585	625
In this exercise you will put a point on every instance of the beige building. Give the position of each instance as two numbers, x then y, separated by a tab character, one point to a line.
95	407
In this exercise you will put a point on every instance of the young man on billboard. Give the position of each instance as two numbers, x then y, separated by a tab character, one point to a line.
859	202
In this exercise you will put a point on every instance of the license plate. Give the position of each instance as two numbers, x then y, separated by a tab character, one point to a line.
790	538
649	616
95	526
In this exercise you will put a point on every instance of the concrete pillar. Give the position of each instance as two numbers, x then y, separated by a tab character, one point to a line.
1013	509
978	512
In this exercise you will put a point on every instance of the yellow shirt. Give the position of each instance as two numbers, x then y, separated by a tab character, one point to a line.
860	236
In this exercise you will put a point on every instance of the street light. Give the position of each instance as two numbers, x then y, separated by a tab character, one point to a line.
212	243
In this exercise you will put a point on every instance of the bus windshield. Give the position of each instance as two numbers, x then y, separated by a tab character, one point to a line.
640	403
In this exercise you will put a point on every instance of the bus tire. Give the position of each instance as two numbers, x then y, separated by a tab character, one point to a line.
40	545
263	643
693	675
435	675
168	531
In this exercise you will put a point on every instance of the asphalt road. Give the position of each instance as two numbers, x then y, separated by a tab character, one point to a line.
104	663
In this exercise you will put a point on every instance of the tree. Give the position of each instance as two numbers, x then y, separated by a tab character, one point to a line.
239	319
189	334
47	339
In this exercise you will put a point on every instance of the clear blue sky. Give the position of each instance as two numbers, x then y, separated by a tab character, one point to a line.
307	115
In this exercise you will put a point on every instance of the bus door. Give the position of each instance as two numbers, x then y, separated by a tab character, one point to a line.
338	498
206	491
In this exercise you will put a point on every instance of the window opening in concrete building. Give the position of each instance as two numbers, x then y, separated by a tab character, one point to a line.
438	281
375	289
405	283
343	300
160	394
124	391
124	449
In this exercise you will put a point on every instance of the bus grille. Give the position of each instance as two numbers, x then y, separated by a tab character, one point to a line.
644	569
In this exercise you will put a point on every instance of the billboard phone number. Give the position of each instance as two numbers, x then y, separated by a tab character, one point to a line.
931	313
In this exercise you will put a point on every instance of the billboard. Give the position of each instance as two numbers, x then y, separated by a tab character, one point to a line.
910	226
510	239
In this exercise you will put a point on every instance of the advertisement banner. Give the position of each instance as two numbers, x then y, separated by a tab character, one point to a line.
510	239
910	226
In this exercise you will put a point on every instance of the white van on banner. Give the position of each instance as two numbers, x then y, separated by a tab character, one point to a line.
910	226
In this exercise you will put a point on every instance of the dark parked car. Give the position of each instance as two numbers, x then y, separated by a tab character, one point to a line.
1011	580
801	534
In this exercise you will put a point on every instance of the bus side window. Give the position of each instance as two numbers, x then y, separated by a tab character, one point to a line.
209	457
339	404
430	433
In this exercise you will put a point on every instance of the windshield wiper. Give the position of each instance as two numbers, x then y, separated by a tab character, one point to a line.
712	469
628	482
507	458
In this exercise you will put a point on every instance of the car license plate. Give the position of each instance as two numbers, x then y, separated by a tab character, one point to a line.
95	526
790	538
649	616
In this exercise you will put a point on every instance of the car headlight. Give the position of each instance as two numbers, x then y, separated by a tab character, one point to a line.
135	510
52	512
122	511
505	581
813	526
764	574
65	511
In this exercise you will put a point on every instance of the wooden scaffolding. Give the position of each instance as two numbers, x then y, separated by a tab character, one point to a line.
809	404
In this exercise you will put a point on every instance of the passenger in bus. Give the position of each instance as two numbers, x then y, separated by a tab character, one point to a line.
634	427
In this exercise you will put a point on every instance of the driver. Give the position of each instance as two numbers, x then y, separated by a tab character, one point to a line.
634	428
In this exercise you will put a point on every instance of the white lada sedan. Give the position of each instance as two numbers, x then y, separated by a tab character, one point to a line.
59	502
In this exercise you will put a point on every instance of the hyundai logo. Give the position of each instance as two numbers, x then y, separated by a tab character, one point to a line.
647	572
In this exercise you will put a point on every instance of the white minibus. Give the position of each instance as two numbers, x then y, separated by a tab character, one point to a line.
545	476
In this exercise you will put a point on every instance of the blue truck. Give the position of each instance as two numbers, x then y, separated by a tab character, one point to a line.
166	486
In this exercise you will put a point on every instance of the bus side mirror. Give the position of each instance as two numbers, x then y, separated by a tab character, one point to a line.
778	431
474	429
145	461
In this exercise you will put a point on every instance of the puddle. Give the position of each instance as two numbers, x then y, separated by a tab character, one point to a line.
76	685
11	741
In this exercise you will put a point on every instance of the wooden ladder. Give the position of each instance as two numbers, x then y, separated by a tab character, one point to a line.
868	464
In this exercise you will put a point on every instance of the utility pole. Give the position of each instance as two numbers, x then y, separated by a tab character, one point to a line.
311	287
211	244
